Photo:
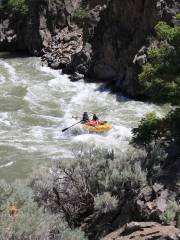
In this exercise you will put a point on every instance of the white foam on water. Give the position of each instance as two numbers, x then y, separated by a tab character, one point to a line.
6	165
54	103
11	70
2	79
5	118
47	70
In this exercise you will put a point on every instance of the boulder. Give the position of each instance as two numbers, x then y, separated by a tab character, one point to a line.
76	77
54	65
144	231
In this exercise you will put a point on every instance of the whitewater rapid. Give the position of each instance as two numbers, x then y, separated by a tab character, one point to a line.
36	103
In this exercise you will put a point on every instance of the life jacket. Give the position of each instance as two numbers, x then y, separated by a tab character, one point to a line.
94	123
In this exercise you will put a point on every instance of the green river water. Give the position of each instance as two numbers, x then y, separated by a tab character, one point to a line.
37	102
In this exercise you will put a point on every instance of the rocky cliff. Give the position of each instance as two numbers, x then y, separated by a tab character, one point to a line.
117	45
100	40
144	231
34	30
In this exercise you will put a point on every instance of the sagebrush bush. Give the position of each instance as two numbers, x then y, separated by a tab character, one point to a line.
21	218
79	182
105	202
170	213
73	235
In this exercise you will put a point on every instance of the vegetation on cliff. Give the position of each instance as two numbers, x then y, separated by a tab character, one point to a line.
152	128
19	6
160	78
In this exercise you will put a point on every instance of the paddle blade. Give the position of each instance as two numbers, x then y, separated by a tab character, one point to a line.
65	129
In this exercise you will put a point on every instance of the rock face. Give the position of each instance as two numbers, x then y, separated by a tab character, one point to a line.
144	231
105	45
34	31
118	36
11	35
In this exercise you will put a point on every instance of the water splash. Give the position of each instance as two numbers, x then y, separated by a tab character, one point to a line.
51	102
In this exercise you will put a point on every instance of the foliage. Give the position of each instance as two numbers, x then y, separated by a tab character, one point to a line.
155	161
22	219
19	6
159	79
80	183
165	32
170	213
73	235
147	130
153	128
177	17
105	202
81	12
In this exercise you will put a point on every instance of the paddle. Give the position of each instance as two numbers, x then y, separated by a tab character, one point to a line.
65	129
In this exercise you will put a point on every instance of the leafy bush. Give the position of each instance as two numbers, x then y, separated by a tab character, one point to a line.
80	183
21	218
146	132
159	79
81	12
19	6
105	202
152	128
177	17
73	235
170	213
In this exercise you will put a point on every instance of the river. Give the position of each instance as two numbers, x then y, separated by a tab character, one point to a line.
36	103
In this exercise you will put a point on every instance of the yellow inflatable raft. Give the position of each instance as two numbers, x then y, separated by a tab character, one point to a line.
99	128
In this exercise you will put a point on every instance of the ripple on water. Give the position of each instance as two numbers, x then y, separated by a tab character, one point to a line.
37	103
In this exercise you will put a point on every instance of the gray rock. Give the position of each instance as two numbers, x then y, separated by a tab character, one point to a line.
157	187
76	77
54	65
140	60
104	72
144	231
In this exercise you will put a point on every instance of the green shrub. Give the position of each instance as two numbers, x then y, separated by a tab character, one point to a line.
146	132
170	213
159	79
19	6
152	128
177	17
80	12
164	31
21	218
147	74
105	202
162	53
80	183
73	235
